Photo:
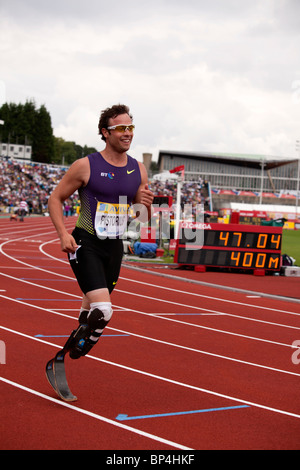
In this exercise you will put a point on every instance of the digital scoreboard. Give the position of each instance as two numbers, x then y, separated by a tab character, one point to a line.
229	246
162	202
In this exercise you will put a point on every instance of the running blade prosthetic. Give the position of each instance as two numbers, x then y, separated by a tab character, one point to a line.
56	375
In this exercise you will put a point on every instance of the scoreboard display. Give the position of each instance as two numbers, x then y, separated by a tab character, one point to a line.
252	217
162	200
229	246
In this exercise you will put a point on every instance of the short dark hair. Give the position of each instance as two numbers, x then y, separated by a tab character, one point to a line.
112	112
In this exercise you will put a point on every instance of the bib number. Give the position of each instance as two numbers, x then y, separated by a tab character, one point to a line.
111	219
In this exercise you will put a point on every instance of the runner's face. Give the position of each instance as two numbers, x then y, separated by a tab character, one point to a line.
119	141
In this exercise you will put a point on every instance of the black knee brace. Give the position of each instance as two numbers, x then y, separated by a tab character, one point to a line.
87	334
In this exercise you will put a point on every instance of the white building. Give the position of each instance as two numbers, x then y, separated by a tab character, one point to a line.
21	152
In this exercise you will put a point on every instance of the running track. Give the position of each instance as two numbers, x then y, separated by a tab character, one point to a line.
181	366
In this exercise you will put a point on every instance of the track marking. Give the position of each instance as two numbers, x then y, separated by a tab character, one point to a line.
96	416
165	318
212	311
157	286
215	286
178	290
191	293
164	379
187	314
123	417
49	300
159	341
67	336
218	299
169	319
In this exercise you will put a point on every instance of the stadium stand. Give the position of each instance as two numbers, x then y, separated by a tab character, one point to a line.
32	182
208	183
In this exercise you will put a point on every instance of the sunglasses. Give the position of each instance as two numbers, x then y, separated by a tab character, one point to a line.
121	128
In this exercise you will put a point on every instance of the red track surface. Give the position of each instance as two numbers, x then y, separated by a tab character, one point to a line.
194	366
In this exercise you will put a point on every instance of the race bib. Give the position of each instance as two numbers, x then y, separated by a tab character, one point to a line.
111	219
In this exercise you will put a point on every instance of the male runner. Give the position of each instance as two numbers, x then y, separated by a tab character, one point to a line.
107	183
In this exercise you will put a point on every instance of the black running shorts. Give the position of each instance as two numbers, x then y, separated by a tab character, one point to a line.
96	263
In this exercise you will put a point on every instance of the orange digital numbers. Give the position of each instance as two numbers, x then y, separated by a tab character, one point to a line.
276	240
224	237
248	249
273	262
239	235
262	240
235	256
254	260
247	260
260	260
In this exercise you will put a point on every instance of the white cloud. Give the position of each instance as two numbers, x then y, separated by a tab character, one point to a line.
215	76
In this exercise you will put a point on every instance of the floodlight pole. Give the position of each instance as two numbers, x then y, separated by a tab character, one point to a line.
261	181
2	124
298	176
178	207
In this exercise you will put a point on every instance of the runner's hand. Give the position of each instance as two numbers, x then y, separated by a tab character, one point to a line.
146	196
68	243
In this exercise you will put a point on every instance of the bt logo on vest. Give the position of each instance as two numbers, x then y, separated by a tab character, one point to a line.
108	175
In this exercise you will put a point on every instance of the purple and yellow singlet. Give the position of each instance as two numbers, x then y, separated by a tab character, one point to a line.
106	198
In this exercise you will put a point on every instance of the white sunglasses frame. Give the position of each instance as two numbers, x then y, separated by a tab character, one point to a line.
111	128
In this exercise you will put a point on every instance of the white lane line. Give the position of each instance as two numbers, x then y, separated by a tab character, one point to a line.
156	286
96	416
161	317
165	379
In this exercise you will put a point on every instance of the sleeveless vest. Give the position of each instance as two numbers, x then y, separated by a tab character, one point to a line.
106	198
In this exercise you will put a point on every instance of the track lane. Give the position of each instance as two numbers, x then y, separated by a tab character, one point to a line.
214	375
124	386
156	327
134	321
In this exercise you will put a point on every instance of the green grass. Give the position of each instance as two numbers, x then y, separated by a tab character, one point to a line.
291	244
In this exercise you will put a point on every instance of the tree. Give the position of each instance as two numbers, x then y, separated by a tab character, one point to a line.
28	117
43	144
24	124
66	152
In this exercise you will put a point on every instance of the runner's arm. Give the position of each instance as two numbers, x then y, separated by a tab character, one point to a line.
144	196
76	176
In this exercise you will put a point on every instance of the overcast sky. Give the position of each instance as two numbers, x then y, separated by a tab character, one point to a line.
198	75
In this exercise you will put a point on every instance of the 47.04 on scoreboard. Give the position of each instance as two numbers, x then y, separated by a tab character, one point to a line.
229	246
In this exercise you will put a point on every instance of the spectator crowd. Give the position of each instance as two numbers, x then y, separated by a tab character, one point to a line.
193	192
34	182
30	182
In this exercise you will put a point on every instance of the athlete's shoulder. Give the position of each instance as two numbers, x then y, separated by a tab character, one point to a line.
143	171
79	164
93	155
131	160
80	170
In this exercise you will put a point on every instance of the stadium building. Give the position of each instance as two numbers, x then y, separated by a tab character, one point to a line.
237	181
